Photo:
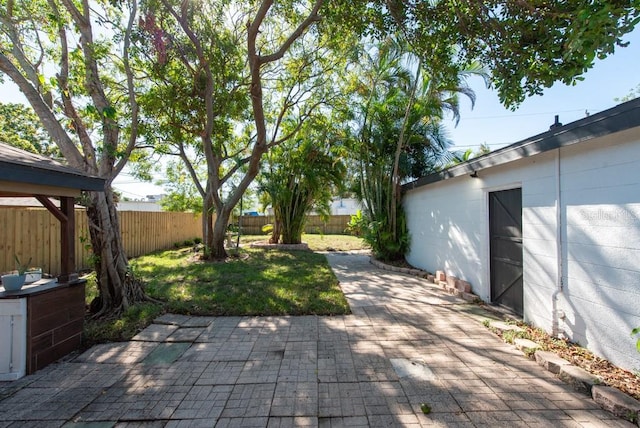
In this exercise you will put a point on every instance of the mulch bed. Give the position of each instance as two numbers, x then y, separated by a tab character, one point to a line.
614	376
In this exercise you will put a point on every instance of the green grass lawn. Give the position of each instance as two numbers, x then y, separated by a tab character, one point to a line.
253	282
256	282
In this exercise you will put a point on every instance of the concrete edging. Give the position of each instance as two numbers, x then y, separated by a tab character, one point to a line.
609	398
456	287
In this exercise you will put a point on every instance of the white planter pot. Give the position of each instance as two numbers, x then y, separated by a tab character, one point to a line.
33	276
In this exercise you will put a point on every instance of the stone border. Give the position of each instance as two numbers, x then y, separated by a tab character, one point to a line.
287	247
610	399
451	285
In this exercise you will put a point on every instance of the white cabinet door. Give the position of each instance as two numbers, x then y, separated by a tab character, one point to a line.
13	338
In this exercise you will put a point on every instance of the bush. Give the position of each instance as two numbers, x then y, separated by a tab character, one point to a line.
356	224
379	237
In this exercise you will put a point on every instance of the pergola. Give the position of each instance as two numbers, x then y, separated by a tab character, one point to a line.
24	174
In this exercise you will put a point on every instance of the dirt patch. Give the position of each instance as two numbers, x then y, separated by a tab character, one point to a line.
287	247
397	263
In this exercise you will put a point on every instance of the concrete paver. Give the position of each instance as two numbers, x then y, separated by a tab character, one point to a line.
406	345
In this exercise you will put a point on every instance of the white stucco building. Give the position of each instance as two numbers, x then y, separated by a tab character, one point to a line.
548	227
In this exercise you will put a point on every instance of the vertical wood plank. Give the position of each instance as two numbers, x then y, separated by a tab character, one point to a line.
34	232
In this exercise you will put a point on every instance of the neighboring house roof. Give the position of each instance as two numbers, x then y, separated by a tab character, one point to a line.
22	172
620	118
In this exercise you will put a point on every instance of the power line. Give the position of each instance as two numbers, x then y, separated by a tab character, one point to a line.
132	182
528	114
131	194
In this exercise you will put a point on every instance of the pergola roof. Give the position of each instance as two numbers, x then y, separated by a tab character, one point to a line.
25	174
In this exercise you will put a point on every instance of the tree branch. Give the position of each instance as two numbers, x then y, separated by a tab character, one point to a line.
133	103
191	169
65	93
208	95
49	121
309	20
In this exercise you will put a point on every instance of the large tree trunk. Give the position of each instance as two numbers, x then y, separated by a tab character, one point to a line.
207	224
291	237
217	250
118	289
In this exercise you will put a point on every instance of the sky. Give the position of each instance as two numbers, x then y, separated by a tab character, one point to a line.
489	122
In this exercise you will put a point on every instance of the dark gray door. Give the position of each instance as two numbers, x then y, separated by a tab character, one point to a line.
505	220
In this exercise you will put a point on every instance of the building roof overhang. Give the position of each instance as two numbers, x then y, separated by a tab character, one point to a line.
25	174
620	118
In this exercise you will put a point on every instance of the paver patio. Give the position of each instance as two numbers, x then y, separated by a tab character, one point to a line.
405	345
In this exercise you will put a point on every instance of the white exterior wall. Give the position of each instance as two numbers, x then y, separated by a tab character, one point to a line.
146	206
597	303
344	206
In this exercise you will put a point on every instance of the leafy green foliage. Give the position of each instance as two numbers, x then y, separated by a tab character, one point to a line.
460	157
20	127
399	107
221	91
302	174
527	46
181	192
72	62
377	234
21	267
635	332
633	94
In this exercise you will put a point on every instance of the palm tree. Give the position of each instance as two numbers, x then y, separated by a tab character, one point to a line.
301	175
400	133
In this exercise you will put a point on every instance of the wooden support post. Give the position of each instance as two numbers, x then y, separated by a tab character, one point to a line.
67	241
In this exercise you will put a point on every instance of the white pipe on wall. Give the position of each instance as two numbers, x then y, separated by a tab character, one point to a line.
557	314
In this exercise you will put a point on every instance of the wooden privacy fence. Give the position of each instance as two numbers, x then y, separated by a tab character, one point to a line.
337	224
35	233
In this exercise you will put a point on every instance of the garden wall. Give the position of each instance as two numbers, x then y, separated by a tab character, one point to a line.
34	232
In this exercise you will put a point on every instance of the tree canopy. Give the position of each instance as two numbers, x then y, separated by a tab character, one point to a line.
527	45
20	127
224	79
